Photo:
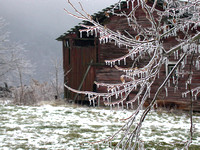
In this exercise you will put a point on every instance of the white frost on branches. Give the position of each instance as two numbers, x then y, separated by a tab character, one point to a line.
12	57
173	18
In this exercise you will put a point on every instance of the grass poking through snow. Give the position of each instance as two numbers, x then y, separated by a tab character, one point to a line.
47	127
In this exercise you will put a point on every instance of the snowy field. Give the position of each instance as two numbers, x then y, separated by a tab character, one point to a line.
70	128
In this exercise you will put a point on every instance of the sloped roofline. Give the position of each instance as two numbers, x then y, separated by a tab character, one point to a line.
100	16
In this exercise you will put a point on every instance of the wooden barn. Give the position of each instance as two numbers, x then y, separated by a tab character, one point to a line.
83	61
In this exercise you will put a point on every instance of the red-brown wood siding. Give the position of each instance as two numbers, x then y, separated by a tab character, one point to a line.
80	58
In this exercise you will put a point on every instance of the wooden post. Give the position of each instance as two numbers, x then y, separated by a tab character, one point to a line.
84	77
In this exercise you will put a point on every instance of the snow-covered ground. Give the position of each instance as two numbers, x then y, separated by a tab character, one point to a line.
70	128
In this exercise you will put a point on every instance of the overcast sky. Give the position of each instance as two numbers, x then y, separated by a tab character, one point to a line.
37	23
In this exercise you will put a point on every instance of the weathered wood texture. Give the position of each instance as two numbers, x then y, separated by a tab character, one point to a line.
77	58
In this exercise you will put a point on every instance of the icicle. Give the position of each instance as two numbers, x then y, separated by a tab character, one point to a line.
138	75
185	94
174	55
104	41
131	105
132	4
182	64
138	100
122	105
124	61
119	6
175	89
93	102
118	62
199	45
91	32
173	79
81	34
195	96
108	100
100	40
90	102
177	54
197	65
111	107
95	31
132	56
186	85
128	20
182	95
192	93
127	4
126	105
190	81
149	92
87	33
104	99
166	91
156	105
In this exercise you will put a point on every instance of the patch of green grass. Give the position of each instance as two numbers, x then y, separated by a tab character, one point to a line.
72	126
68	112
50	127
109	117
77	113
22	139
157	146
32	117
83	130
114	126
73	135
194	147
24	146
97	126
12	129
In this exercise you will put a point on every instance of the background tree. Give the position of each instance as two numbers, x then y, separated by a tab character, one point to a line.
171	19
13	63
57	77
6	59
21	69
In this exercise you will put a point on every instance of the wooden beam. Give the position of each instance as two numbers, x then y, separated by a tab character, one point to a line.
84	77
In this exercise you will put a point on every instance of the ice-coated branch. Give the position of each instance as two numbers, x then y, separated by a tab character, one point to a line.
174	19
194	91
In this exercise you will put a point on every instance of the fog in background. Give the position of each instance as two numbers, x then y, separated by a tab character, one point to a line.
37	23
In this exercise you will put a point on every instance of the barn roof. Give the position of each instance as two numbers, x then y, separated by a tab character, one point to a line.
100	16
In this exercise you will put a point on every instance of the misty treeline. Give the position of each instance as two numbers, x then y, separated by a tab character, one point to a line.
16	71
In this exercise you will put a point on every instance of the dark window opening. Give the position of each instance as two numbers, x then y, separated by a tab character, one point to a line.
83	42
94	88
170	67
